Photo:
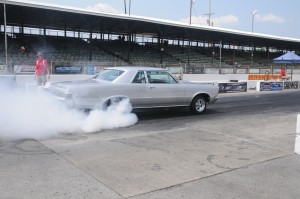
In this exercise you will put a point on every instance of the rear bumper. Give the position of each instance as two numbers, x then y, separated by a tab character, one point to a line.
214	100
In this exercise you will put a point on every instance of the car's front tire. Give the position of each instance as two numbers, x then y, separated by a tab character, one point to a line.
198	105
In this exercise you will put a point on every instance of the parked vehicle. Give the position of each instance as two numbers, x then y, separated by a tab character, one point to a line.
145	87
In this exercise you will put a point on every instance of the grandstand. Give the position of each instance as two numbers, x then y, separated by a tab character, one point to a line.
68	40
76	51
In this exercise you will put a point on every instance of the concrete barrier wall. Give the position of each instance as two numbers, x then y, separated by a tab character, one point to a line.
215	77
224	77
251	84
22	80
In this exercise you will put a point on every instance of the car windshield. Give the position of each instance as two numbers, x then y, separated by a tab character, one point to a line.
108	75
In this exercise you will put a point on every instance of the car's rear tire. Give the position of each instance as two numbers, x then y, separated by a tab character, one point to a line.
111	101
198	105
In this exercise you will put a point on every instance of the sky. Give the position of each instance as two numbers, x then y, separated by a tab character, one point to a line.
273	17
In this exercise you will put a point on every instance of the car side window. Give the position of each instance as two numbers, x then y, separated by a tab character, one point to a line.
160	77
139	77
108	75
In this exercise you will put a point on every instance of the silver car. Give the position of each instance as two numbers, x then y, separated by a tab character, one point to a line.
145	87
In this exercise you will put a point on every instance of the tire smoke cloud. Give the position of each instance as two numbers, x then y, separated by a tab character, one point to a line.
32	116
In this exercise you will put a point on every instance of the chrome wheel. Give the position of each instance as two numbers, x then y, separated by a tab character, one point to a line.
198	105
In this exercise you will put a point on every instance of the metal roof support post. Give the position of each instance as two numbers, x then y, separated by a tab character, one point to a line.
220	56
251	58
212	53
45	39
22	30
268	54
161	55
5	35
91	45
129	47
160	47
65	36
189	52
233	56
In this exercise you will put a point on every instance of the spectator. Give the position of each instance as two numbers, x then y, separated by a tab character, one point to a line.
22	50
283	75
41	70
27	49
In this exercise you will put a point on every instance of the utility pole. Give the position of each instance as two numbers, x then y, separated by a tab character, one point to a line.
209	14
129	7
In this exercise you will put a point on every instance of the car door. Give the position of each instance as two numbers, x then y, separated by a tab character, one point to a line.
164	89
138	91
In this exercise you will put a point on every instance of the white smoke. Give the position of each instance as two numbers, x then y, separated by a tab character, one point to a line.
117	115
32	116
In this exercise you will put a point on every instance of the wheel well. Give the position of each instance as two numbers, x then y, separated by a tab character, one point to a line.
206	96
113	99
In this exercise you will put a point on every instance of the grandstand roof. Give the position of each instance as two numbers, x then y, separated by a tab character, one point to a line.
50	16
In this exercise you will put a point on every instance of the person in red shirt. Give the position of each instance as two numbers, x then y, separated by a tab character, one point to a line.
41	70
283	75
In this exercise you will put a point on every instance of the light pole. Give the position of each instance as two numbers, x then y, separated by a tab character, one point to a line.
253	14
191	6
129	7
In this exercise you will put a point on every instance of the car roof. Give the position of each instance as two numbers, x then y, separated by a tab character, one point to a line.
136	68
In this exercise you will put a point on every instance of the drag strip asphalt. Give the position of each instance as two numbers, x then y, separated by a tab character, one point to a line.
242	147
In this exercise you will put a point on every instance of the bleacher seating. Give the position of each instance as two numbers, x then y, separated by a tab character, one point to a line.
76	51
